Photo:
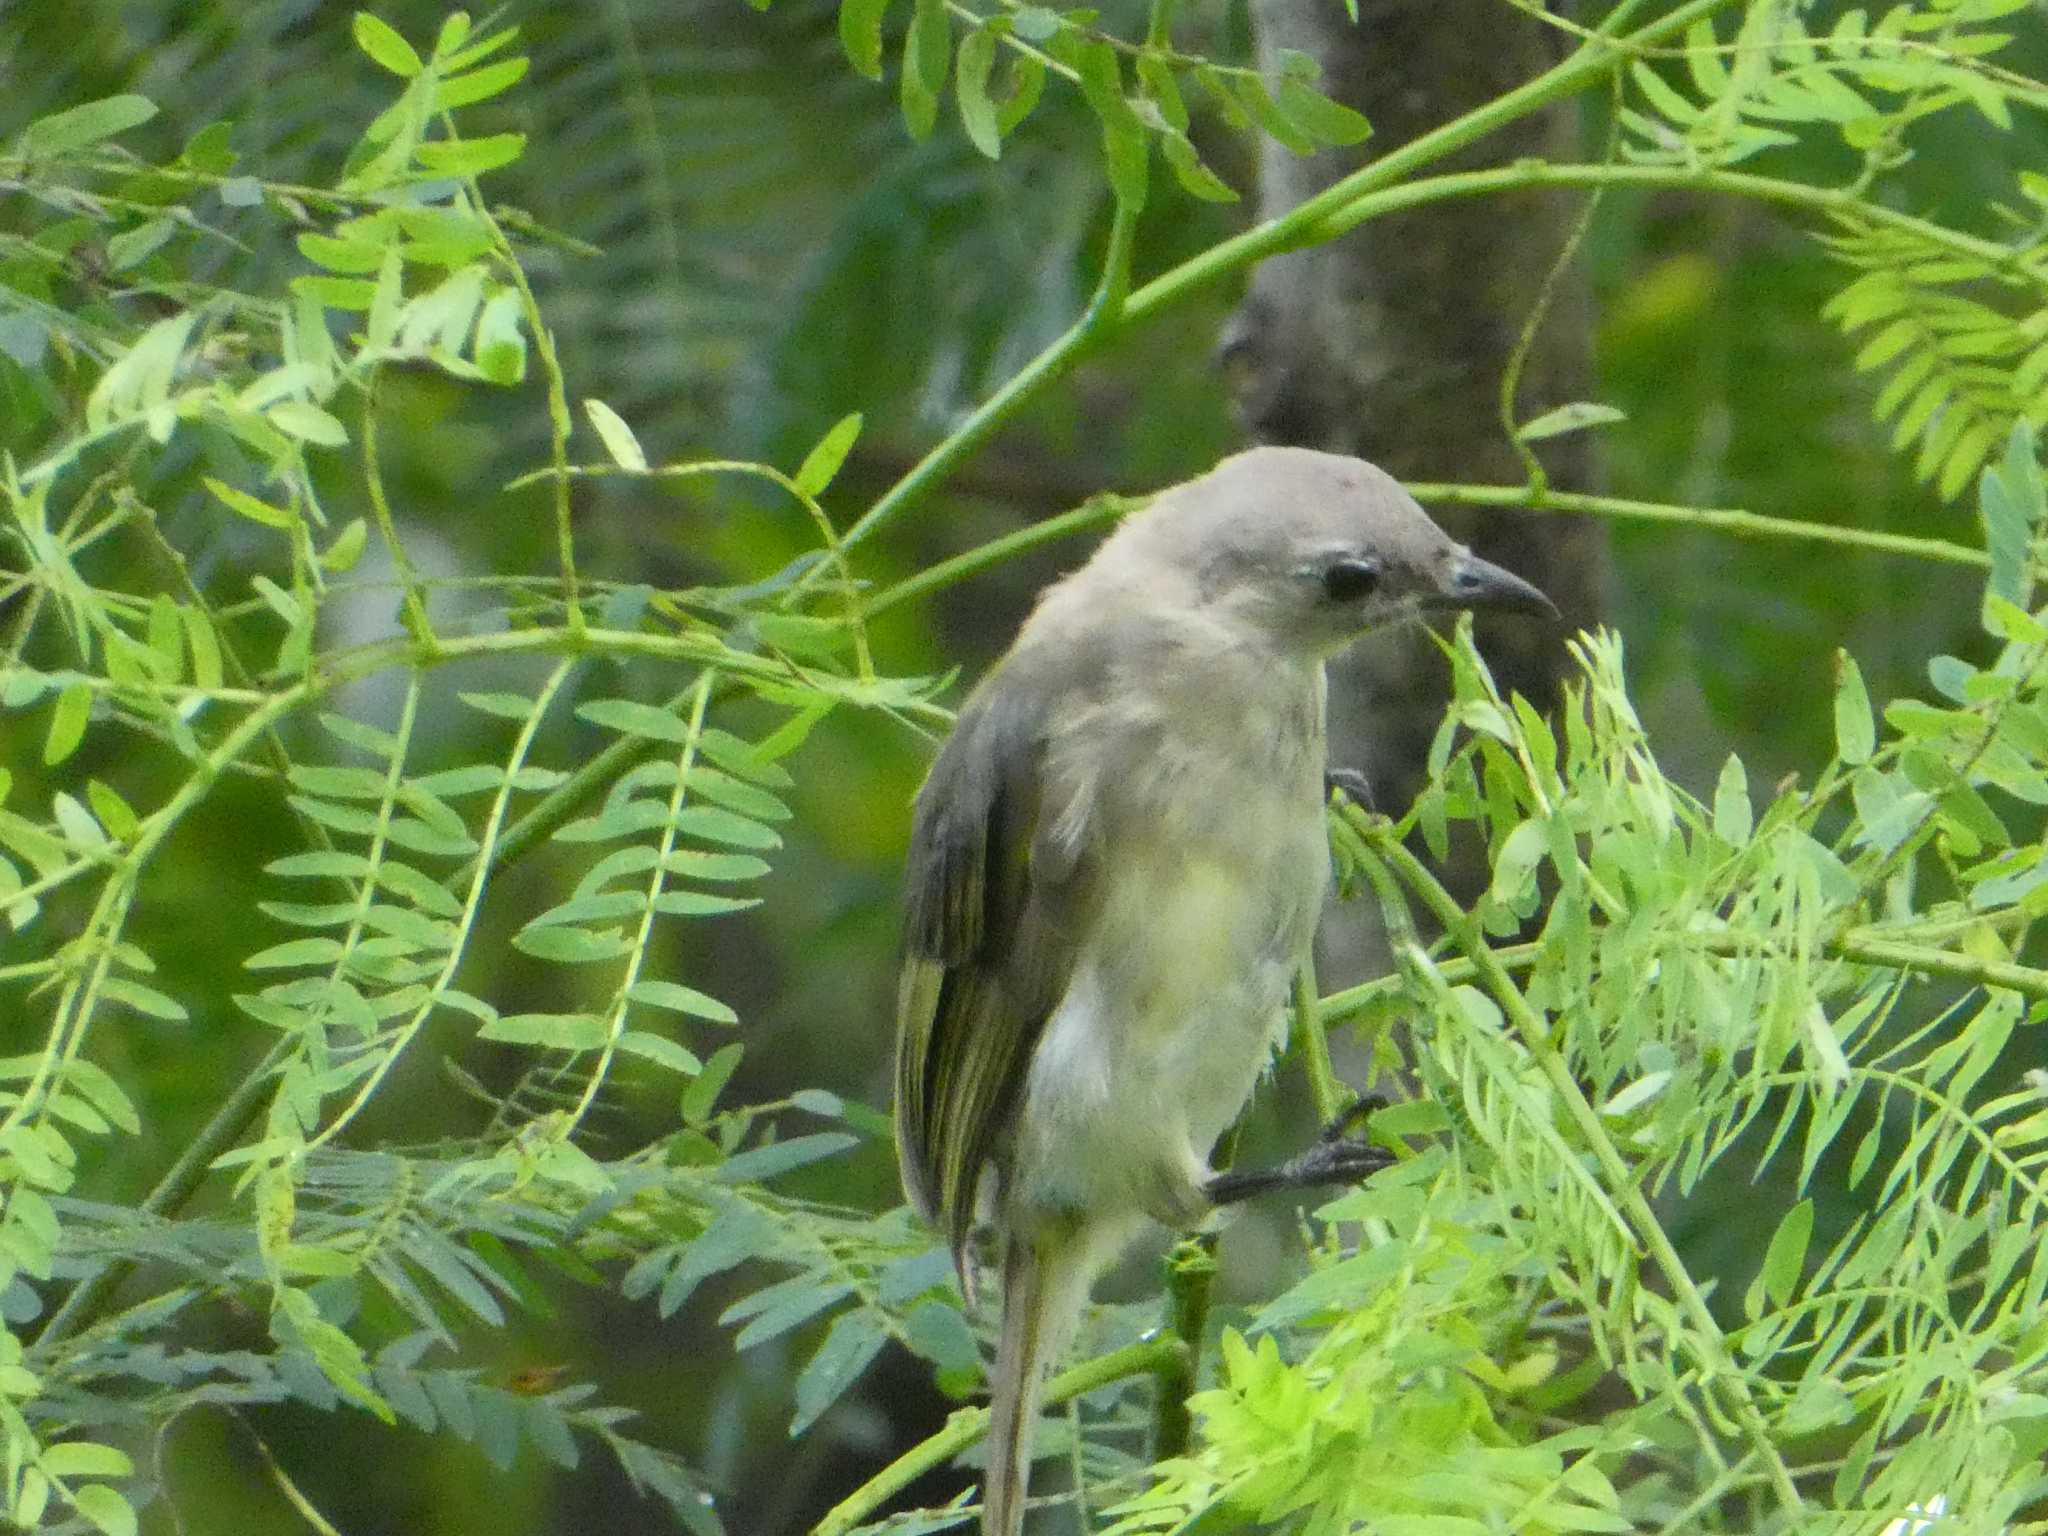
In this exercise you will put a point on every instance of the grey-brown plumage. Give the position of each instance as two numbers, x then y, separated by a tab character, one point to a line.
1117	862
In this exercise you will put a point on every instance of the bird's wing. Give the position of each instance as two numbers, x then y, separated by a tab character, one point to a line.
985	961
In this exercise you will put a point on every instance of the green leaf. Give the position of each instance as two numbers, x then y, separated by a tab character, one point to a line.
144	1000
141	379
936	1330
617	437
853	1341
570	945
76	127
1324	120
1732	817
801	634
1415	1117
115	814
383	44
927	51
77	823
1661	96
660	1050
1035	23
971	70
1125	144
347	548
697	865
1855	727
1156	76
471	157
822	463
757	1164
631	718
1258	104
681	999
2009	500
245	505
84	1458
722	826
350	256
701	1097
698	904
860	34
1027	83
556	1031
1576	417
295	952
500	344
208	150
736	795
1190	172
510	706
67	723
304	420
1636	1094
478	85
755	764
109	1512
1785	1258
134	246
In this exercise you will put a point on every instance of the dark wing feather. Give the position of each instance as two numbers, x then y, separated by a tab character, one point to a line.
980	972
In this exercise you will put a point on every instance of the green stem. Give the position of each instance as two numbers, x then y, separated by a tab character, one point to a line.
1302	224
1862	945
1622	1184
1727	520
414	604
1313	1042
1103	316
968	1425
1093	513
179	1183
1190	1281
1837	201
1735	522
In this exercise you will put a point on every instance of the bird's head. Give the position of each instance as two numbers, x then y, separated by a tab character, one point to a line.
1315	549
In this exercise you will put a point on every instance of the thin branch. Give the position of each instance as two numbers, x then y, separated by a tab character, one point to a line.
1103	316
1726	520
968	1425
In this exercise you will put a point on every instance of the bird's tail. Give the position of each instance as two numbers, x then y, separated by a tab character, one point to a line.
1045	1282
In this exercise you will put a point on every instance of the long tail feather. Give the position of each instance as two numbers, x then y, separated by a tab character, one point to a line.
1045	1282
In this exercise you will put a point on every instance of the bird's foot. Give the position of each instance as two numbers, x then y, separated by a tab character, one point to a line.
1334	1157
1355	785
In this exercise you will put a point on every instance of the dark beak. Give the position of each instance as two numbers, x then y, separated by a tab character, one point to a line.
1476	583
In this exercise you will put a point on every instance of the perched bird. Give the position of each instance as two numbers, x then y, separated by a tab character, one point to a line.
1116	864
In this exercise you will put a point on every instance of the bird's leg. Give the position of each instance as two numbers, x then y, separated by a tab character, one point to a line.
1334	1157
1356	786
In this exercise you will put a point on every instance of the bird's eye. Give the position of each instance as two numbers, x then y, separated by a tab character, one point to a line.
1346	581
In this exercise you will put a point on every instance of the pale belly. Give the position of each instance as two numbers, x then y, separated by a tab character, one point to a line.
1176	1006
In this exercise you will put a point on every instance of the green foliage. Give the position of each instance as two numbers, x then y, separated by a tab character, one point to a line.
1962	369
1867	79
1134	108
1828	982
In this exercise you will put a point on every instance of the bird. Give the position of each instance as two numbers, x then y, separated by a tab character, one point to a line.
1116	864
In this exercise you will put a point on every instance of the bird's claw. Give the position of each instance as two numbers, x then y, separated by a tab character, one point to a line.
1355	785
1349	1161
1353	1114
1335	1158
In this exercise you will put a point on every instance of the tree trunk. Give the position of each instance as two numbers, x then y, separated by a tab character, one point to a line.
1391	343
